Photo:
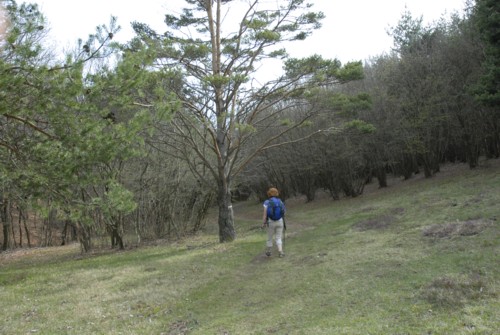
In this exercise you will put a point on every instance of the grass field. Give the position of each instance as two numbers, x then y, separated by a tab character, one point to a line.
419	257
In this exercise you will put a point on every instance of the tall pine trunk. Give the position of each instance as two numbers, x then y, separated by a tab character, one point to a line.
227	232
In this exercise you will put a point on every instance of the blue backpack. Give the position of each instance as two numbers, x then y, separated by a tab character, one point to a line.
275	209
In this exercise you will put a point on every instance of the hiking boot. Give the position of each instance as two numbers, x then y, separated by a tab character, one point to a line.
268	252
282	254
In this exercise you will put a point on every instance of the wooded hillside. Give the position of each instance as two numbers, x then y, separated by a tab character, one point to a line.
117	144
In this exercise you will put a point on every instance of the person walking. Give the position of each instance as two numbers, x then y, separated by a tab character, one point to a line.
273	220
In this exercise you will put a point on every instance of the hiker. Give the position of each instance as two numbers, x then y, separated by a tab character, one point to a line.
273	219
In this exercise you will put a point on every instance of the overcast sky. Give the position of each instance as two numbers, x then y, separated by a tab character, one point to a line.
352	29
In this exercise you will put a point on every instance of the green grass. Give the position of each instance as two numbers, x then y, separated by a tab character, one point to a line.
420	257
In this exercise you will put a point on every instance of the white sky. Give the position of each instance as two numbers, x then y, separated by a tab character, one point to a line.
352	29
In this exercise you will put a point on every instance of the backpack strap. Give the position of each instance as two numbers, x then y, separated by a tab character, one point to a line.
270	205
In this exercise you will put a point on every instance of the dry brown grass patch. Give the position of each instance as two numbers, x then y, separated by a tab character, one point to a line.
378	223
447	230
455	291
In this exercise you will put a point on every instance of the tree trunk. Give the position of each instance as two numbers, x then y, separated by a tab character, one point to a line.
381	176
48	223
11	220
226	218
68	233
20	220
5	217
115	231
472	154
26	229
84	236
116	238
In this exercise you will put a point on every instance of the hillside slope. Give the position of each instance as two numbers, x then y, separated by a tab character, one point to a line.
420	257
